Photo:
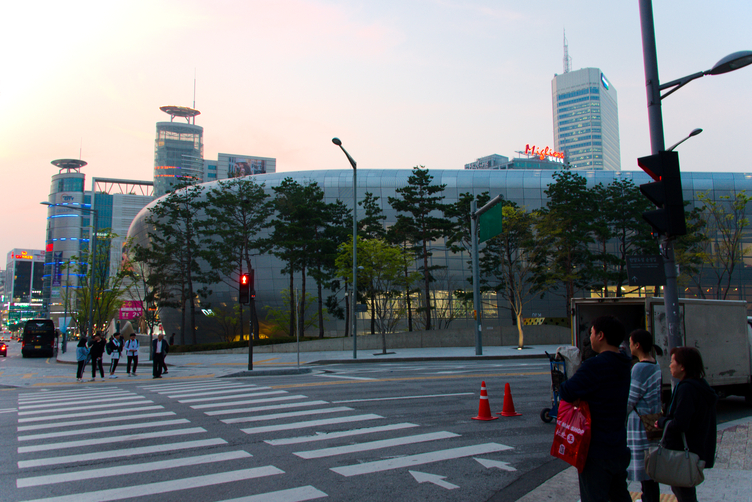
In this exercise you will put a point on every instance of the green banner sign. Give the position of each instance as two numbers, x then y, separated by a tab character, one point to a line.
490	223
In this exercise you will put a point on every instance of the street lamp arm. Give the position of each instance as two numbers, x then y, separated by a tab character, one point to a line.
677	84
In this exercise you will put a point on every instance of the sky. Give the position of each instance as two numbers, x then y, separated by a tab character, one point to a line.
437	83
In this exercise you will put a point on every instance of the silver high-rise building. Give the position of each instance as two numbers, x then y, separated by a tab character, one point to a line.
586	120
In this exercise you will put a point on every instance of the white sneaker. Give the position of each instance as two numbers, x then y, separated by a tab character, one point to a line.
113	376
93	380
134	373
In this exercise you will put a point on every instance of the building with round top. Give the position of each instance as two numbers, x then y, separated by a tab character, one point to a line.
178	150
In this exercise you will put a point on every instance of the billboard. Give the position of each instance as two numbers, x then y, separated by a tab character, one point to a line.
245	166
131	309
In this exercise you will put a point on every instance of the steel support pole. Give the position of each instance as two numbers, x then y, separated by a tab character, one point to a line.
476	279
93	240
655	120
354	301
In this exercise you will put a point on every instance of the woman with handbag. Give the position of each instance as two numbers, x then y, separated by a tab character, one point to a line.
691	414
644	405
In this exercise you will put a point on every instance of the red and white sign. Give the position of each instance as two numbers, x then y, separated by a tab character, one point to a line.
543	152
131	309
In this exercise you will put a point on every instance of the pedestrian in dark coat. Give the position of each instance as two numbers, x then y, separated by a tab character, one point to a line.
82	355
96	346
159	348
692	412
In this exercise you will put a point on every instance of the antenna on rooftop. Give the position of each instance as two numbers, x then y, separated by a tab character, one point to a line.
194	88
567	59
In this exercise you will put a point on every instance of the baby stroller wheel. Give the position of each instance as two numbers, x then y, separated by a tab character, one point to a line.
545	415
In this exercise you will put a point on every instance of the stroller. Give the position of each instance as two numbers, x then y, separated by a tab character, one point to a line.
564	362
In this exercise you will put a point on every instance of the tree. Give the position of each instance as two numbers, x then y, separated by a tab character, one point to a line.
725	221
420	202
280	318
509	259
227	321
564	232
237	211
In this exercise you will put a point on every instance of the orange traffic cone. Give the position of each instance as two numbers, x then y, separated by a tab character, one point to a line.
484	410
508	409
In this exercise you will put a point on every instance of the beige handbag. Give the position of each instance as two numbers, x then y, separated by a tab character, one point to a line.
672	467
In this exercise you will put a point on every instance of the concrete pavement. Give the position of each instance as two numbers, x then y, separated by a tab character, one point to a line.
730	479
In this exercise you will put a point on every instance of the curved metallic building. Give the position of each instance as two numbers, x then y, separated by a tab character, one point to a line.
525	187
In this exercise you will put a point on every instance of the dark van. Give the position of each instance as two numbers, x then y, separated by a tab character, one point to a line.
39	338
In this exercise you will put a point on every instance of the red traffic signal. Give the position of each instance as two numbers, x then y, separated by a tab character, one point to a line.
244	289
665	193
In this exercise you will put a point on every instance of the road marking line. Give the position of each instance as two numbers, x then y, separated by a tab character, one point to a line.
344	376
213	392
174	384
88	393
403	397
134	401
323	436
110	440
89	399
77	423
420	459
108	429
424	477
311	423
248	401
51	479
290	495
186	388
128	452
266	408
166	486
29	375
375	445
275	416
88	414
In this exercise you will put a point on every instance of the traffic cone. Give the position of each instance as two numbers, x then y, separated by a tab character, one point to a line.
508	409
484	410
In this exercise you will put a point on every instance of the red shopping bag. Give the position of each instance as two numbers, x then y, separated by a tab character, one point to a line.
572	436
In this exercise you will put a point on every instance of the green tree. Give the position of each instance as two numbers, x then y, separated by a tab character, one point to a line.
564	231
509	260
237	211
226	325
418	212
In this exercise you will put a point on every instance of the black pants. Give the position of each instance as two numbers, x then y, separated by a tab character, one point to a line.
94	364
81	369
605	479
113	365
685	494
158	363
164	364
651	491
134	360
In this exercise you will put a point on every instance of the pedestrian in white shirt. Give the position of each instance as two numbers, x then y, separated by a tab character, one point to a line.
131	352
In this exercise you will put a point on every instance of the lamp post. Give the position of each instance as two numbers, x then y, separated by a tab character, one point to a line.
93	240
354	301
655	119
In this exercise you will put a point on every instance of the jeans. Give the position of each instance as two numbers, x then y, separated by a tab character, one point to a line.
605	479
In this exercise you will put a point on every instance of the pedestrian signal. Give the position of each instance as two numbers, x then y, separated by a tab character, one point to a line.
244	289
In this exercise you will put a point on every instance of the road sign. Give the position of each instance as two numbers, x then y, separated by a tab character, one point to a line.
646	270
490	223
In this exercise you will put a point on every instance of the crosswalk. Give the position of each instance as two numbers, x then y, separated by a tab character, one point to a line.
94	444
278	411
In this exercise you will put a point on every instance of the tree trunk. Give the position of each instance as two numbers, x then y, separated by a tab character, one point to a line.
301	302
320	308
427	285
292	302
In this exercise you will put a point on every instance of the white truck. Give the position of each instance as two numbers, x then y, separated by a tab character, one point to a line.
717	328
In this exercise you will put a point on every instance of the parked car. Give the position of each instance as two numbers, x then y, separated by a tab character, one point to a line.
3	349
39	338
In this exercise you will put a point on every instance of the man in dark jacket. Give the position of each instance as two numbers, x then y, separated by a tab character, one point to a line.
159	348
603	382
96	345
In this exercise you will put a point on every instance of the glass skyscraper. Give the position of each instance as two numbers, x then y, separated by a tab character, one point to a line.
586	120
178	150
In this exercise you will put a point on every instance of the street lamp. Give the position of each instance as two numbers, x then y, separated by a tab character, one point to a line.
353	311
655	119
694	132
93	241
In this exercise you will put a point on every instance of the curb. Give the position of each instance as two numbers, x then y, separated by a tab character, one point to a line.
427	358
253	373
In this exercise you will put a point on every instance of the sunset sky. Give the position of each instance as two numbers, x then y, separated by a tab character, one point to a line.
431	82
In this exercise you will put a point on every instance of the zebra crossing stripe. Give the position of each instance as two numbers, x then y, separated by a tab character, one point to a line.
420	459
68	477
134	401
191	388
77	423
156	386
79	401
237	396
375	445
275	416
210	392
290	495
89	414
311	423
266	408
166	486
323	436
107	455
110	439
97	430
47	398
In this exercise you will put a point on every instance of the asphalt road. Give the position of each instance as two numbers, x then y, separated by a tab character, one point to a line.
370	432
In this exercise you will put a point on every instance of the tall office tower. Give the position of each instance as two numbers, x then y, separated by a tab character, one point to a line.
586	120
23	280
178	150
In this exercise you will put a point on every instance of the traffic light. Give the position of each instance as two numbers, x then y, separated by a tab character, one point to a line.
244	289
665	192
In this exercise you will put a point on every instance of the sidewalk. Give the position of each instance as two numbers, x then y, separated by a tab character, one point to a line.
730	480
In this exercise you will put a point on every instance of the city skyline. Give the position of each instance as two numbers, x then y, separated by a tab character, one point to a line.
434	83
